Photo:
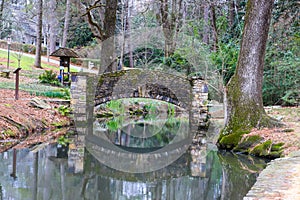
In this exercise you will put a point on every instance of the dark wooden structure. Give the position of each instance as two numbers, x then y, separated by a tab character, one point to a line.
17	72
64	54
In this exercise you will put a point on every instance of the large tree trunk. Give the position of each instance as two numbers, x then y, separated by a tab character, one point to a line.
108	60
244	105
66	24
38	52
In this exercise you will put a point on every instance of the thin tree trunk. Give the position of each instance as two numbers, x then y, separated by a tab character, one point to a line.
231	13
205	38
214	27
38	52
66	24
1	18
244	105
128	34
53	26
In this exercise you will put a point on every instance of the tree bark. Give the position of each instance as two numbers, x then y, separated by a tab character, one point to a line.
244	105
38	51
66	24
108	60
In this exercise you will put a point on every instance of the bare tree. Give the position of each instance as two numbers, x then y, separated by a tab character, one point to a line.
53	24
38	52
169	16
206	28
66	24
1	17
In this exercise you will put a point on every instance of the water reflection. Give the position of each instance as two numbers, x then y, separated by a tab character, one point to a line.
41	175
139	145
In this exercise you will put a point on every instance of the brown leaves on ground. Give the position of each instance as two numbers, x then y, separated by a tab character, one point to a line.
19	121
289	134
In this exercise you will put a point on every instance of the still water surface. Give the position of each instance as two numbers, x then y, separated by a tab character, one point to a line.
209	174
42	176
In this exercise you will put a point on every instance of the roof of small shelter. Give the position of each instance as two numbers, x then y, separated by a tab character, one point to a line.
64	52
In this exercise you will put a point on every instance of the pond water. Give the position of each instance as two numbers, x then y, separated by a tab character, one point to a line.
44	173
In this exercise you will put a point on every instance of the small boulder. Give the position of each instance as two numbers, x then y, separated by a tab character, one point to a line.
39	103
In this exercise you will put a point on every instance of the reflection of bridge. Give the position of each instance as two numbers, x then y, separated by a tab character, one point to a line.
120	159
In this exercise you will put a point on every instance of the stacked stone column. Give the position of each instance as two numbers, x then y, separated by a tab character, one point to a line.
199	109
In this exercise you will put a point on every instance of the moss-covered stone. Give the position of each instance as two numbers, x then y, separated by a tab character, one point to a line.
275	154
231	140
263	149
277	146
247	142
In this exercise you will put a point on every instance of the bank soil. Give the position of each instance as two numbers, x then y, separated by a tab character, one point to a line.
22	125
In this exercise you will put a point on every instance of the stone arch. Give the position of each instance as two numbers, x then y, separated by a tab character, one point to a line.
141	83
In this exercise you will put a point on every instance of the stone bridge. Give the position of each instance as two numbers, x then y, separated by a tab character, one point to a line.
138	83
89	90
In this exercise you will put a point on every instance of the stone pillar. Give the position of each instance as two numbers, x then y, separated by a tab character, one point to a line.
83	94
78	102
199	101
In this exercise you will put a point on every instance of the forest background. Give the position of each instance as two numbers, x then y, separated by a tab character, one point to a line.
214	28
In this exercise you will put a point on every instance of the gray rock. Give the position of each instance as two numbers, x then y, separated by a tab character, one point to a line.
39	103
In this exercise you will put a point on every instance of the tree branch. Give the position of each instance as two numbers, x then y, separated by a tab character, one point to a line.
95	27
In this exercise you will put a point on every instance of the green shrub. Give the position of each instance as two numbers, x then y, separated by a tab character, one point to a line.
49	77
64	110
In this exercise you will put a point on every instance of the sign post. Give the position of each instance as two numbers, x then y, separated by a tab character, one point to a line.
17	83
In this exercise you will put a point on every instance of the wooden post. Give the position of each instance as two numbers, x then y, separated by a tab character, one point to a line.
17	83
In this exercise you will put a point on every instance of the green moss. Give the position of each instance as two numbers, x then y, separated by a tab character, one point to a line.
263	149
277	147
8	133
275	154
230	141
247	142
288	130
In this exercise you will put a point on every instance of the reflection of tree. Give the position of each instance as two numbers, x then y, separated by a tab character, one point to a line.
14	165
238	169
1	193
35	175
